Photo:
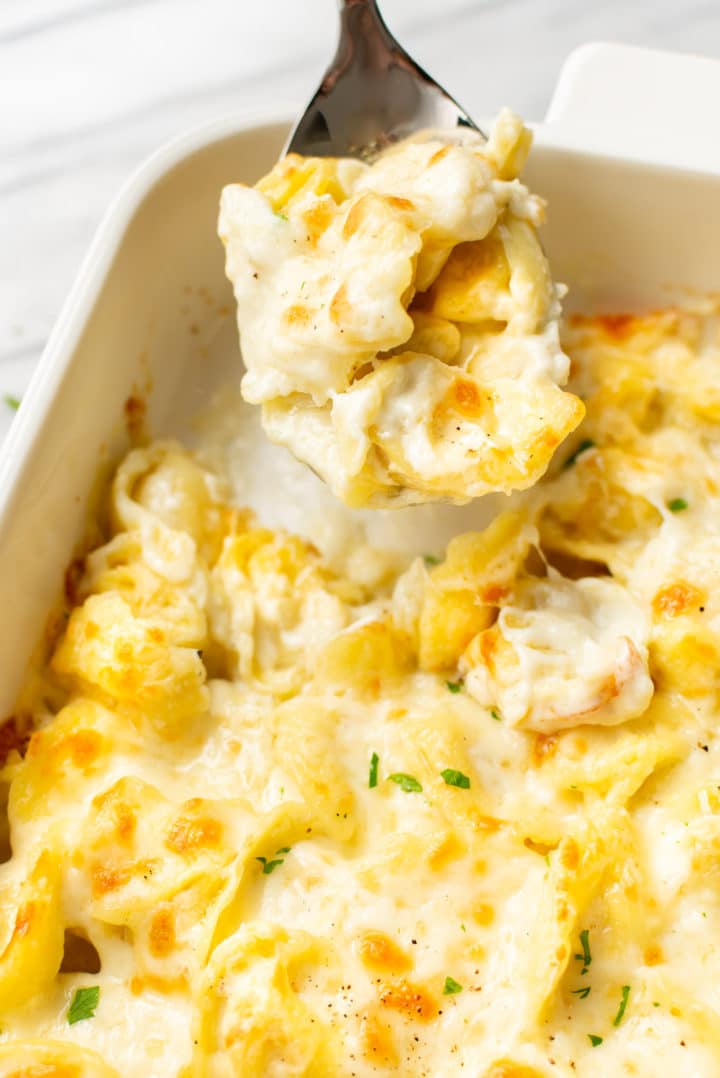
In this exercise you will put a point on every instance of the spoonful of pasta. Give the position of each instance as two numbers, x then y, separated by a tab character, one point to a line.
398	321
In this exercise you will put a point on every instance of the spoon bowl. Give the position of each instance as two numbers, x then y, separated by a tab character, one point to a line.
373	94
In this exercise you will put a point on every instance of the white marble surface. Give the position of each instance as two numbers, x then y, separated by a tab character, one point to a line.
88	88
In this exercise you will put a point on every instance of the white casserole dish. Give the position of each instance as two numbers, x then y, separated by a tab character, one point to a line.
633	184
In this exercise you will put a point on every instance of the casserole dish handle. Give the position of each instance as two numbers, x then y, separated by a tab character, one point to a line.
641	104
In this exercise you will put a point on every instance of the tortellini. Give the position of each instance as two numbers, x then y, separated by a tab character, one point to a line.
252	1019
31	944
562	653
109	651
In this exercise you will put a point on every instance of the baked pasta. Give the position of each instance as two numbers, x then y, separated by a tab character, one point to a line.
399	323
280	816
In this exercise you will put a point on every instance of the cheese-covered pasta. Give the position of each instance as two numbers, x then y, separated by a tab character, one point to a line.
398	320
282	816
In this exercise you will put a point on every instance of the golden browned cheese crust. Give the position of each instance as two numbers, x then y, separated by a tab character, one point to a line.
289	814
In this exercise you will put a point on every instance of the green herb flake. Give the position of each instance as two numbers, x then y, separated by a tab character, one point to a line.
585	444
408	783
623	1004
495	715
583	993
270	866
594	1039
454	686
656	1004
455	778
451	987
676	505
430	559
282	216
585	957
373	774
12	402
83	1005
463	928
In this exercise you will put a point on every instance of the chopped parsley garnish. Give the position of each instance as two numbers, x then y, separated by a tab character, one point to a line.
83	1004
454	686
585	957
585	444
594	1040
656	1004
495	715
12	402
623	1004
270	866
408	783
455	778
373	775
583	993
282	216
430	559
451	987
677	505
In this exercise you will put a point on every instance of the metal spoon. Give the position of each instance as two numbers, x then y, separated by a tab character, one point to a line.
372	94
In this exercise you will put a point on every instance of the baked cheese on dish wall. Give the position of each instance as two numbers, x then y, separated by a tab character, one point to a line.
398	321
320	821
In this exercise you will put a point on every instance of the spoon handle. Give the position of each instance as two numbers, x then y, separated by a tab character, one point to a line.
365	40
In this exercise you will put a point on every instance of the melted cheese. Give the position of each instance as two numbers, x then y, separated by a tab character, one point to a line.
361	814
563	652
399	325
